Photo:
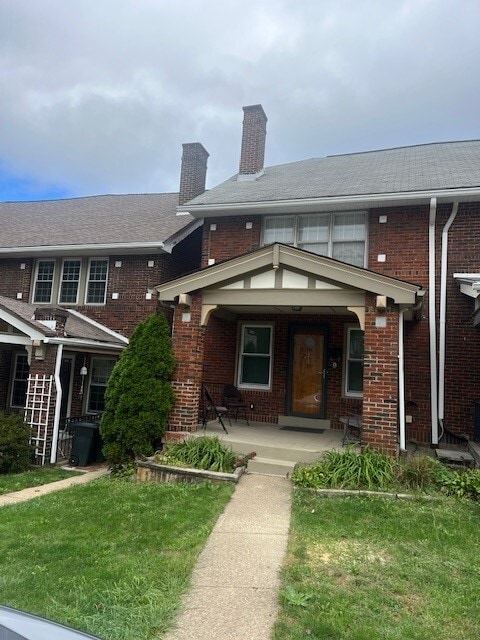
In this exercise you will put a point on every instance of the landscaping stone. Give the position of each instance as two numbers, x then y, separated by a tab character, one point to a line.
150	471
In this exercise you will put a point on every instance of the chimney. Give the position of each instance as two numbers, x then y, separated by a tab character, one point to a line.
54	318
194	171
253	142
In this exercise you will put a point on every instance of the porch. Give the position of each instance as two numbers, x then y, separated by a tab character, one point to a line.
278	447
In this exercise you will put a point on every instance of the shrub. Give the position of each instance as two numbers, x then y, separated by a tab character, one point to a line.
463	484
15	450
348	469
205	453
139	395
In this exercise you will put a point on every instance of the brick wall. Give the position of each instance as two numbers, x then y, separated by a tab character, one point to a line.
230	239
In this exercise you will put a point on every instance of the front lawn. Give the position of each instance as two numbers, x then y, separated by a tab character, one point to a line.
33	478
377	569
111	557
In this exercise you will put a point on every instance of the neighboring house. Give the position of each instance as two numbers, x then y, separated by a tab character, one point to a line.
76	276
344	283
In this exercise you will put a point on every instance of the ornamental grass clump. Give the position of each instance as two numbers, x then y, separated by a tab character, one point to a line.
348	469
206	453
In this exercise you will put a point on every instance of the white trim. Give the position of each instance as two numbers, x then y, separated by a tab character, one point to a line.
432	322
173	240
60	282
88	281
96	357
249	385
21	325
85	343
35	280
62	249
345	391
58	404
310	204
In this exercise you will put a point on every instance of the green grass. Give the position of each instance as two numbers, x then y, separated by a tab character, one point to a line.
33	478
376	569
111	558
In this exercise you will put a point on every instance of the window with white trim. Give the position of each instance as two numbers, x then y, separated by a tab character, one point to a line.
101	369
338	235
21	370
97	281
354	358
70	281
255	356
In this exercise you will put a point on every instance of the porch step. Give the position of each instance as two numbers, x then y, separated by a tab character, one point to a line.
271	452
474	449
270	466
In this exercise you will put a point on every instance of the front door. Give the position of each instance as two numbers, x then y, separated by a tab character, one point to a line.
306	371
66	370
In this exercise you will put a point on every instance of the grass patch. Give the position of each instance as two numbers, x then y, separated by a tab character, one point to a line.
375	569
111	558
33	478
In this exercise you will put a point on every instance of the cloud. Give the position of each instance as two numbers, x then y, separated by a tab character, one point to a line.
98	97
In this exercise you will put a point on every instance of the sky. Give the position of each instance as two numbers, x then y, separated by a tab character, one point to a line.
97	96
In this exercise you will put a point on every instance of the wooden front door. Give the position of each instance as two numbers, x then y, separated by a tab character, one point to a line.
306	374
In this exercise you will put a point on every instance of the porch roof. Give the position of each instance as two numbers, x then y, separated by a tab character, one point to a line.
337	278
79	329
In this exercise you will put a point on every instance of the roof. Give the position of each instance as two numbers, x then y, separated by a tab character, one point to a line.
427	167
77	326
94	220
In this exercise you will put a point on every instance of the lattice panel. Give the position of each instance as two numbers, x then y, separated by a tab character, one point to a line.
37	413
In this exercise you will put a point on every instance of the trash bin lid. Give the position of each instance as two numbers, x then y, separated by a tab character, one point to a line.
84	423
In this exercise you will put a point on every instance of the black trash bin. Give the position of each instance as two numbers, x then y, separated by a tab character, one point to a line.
86	445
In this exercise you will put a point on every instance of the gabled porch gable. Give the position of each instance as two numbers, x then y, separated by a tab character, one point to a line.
281	282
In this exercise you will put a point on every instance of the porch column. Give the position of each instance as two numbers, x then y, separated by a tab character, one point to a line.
188	347
380	381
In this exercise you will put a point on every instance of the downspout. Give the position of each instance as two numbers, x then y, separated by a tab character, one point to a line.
432	321
58	404
401	381
443	316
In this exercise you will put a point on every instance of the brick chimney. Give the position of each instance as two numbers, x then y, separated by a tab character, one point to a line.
54	318
194	171
253	142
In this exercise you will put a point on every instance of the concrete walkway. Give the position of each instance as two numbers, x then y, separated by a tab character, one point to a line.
34	492
235	583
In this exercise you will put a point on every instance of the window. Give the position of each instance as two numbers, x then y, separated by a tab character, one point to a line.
255	356
338	235
44	281
354	363
101	368
70	281
97	281
20	380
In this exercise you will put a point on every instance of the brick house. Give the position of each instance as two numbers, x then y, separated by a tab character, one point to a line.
344	283
77	275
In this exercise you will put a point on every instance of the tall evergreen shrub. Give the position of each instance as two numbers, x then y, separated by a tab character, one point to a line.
139	394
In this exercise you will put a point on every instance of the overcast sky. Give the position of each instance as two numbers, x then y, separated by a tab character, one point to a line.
97	96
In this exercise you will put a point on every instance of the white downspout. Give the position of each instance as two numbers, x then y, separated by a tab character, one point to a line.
432	320
443	315
401	381
58	404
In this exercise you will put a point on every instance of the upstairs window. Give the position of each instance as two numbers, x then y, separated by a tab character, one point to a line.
338	235
44	281
70	281
97	281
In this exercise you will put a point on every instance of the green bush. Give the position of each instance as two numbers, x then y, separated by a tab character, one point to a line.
207	453
15	450
348	469
139	394
462	484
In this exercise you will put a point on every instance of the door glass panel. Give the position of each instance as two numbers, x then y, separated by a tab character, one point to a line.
307	383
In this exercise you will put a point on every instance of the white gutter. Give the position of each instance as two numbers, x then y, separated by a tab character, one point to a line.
96	324
401	381
432	321
84	343
85	248
58	404
375	199
443	313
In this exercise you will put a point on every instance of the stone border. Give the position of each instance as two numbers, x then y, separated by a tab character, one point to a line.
341	493
149	471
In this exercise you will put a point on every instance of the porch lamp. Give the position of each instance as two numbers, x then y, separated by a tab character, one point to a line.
83	373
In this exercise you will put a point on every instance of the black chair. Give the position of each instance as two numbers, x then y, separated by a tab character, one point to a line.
232	399
217	410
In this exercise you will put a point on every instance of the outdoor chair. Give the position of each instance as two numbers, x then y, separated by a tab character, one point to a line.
233	401
352	429
217	410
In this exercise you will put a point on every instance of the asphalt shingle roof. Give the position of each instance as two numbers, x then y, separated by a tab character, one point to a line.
444	165
109	219
75	327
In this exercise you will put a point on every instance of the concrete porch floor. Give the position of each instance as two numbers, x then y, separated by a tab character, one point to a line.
277	450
